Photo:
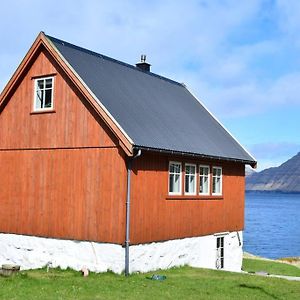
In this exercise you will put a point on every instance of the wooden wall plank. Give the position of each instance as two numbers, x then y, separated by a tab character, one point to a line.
73	124
56	193
156	217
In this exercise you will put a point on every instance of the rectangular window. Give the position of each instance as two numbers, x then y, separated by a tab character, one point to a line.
43	94
204	174
217	181
190	179
220	253
175	178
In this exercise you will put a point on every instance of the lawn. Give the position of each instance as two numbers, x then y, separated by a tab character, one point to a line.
254	265
181	283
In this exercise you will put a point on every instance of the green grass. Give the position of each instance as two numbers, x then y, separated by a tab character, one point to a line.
254	265
181	283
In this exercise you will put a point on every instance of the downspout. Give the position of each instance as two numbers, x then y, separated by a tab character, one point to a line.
127	233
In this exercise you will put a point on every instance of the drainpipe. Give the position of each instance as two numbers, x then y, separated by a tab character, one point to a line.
127	234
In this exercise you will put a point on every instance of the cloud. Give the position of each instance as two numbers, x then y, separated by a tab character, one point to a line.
217	48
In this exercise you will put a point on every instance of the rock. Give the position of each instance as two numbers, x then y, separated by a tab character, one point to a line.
9	270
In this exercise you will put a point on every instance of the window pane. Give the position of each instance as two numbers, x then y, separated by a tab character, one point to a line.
186	184
177	183
187	169
218	185
177	168
39	99
48	98
205	185
192	185
49	83
171	183
40	84
171	168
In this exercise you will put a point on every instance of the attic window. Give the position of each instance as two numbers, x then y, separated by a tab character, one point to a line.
43	93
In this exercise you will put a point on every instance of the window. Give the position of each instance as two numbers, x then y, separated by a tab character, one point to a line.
175	178
43	94
190	179
217	181
220	253
204	174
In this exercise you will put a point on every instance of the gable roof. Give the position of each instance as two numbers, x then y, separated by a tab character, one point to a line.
149	111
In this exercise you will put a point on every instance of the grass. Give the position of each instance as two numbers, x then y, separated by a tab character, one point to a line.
181	283
254	265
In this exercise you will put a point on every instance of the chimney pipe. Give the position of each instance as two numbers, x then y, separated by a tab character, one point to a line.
143	65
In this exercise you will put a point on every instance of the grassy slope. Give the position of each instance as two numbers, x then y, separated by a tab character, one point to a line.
181	283
254	265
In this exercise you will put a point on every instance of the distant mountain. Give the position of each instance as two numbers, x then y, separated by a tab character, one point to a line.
285	178
249	171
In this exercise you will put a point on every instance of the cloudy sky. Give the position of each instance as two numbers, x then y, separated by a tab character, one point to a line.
241	58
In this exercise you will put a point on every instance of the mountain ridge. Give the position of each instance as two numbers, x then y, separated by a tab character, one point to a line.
284	179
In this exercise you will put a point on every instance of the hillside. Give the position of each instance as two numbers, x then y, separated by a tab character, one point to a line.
285	178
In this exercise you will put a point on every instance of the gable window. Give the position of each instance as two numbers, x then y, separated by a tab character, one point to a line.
43	93
220	253
204	174
174	178
190	179
217	181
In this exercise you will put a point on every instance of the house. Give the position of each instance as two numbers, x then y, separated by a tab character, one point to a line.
109	166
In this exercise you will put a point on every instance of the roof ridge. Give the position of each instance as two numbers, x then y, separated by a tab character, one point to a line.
65	43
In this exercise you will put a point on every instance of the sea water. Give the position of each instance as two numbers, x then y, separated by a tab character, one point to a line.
272	224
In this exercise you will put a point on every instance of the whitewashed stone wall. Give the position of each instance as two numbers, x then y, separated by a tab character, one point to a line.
36	252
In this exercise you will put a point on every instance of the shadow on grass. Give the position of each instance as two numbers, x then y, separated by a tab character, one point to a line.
258	288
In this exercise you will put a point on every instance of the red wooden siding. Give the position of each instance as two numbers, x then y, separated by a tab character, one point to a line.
74	193
155	216
62	173
73	124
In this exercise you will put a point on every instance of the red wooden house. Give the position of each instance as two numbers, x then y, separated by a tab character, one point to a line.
110	166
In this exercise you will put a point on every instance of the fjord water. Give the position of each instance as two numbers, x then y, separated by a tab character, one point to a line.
272	224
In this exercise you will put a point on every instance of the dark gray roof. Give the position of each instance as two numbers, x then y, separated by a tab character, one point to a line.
155	112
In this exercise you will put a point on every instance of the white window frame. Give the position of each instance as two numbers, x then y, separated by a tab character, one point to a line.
208	190
35	93
221	181
195	176
180	178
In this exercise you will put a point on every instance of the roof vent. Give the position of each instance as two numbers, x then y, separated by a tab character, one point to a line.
143	65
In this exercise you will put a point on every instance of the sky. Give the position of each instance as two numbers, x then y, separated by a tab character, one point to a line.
240	58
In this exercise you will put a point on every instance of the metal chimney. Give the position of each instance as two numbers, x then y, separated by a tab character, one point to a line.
143	65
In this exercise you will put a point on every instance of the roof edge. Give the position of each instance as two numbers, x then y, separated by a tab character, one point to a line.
253	164
254	161
112	59
20	68
41	40
88	89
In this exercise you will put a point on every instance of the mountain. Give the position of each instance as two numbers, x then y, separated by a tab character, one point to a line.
285	178
249	171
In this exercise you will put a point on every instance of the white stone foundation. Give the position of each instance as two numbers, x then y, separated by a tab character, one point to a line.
35	252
